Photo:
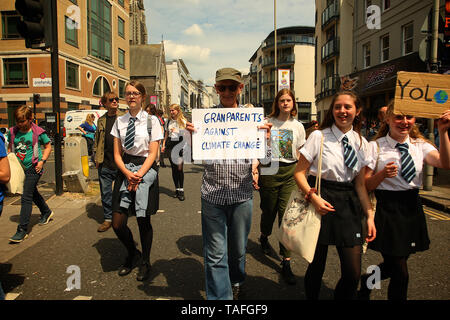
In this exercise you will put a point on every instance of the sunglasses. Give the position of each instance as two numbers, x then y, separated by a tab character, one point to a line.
232	88
113	99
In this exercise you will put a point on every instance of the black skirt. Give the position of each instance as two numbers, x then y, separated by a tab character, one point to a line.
153	194
400	222
342	227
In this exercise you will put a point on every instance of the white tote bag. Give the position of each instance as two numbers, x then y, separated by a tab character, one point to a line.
15	184
300	227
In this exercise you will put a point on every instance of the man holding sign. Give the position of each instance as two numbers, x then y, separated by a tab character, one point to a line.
227	193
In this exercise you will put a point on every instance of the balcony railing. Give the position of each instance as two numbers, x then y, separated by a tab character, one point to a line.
289	59
285	40
328	86
330	49
331	12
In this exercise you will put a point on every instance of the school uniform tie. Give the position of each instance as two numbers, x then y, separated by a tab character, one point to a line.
350	158
408	169
129	137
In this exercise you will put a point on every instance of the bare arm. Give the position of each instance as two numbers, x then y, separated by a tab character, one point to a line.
441	158
361	190
5	173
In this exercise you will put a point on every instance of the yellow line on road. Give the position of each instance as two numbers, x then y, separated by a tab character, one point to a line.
436	215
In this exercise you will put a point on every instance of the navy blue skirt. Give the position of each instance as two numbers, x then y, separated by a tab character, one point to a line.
343	227
400	222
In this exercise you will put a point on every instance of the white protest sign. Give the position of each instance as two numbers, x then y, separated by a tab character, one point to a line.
228	133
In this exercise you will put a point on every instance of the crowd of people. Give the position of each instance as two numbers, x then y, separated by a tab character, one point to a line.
129	148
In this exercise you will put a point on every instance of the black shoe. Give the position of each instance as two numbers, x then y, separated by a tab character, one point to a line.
364	292
144	271
286	272
238	294
130	263
181	195
265	246
176	194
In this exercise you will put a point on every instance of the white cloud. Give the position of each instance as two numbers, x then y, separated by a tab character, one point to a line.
194	30
189	53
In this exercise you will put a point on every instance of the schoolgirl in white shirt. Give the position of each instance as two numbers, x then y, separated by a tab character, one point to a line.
343	192
395	173
136	185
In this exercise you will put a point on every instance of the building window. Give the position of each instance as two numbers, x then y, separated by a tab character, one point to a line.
407	37
121	2
384	45
72	106
9	25
386	4
366	55
121	27
72	75
367	14
121	89
15	72
121	58
71	32
101	86
99	29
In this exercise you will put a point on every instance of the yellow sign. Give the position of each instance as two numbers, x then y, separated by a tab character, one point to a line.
425	95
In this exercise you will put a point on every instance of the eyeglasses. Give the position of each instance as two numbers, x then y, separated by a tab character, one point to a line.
232	87
113	99
132	93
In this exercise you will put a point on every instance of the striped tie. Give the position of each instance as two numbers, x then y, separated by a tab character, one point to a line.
350	158
408	169
129	137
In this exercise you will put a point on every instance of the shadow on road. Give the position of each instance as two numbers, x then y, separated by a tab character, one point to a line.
10	281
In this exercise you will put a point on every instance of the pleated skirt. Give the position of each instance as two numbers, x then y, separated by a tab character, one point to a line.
342	227
400	222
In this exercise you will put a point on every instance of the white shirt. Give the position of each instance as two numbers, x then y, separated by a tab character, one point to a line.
175	131
333	166
141	137
418	149
287	137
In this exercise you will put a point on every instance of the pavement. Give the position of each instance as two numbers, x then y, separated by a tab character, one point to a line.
68	206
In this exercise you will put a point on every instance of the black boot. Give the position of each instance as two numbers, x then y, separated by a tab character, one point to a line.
144	271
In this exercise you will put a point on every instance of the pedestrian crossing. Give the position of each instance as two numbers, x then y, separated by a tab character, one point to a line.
436	215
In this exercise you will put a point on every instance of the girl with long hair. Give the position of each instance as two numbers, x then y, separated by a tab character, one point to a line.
288	136
135	188
343	193
395	173
174	138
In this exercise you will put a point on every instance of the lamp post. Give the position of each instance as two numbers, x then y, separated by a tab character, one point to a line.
275	41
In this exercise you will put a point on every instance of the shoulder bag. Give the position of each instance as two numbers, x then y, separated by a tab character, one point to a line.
15	184
300	227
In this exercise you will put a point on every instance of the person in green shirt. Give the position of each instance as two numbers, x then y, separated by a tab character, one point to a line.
25	141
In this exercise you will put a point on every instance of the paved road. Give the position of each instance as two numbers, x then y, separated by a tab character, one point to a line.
40	272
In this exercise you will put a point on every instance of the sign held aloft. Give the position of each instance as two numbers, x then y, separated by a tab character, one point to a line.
425	95
228	133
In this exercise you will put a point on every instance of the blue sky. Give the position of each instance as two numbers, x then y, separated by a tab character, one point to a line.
210	34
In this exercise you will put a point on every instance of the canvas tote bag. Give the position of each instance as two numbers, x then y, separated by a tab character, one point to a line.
300	227
15	184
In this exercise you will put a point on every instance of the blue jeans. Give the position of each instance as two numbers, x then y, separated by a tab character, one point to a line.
106	178
30	195
225	230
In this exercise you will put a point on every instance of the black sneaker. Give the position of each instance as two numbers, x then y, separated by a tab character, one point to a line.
286	272
176	194
181	195
44	219
19	236
265	246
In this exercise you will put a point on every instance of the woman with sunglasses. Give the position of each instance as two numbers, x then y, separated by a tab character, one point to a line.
395	173
174	140
104	155
136	144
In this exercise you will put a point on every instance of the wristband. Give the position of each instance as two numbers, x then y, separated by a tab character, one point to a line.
309	194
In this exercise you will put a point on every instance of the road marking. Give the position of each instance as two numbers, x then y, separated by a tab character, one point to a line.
82	298
11	296
161	211
436	215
